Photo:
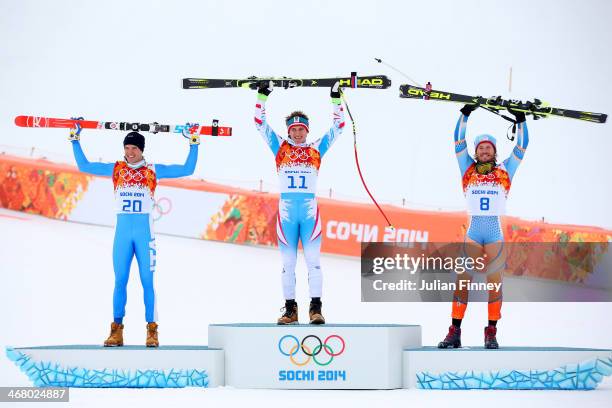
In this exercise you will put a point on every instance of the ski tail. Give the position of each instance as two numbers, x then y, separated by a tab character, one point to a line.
416	92
44	122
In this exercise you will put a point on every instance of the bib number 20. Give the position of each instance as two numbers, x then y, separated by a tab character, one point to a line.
302	182
134	206
484	203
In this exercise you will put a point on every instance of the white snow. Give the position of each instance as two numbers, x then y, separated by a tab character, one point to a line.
57	289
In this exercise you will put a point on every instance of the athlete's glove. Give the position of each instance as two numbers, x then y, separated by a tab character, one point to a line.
264	87
190	131
520	116
75	132
335	90
468	108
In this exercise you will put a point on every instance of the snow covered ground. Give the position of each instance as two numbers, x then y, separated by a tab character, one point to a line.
57	284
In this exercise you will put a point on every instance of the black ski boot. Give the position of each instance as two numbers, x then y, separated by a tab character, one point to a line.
452	339
490	341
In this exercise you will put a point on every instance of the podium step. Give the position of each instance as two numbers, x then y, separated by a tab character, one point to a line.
86	366
519	368
330	356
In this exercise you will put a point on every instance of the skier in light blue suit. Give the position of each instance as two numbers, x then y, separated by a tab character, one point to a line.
134	182
486	185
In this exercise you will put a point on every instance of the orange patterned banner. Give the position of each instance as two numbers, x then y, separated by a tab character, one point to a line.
38	190
247	217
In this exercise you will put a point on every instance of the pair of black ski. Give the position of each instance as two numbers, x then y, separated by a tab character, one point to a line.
372	82
536	107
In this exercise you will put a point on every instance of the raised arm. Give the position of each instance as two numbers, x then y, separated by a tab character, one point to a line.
95	168
181	170
323	144
463	157
270	136
522	140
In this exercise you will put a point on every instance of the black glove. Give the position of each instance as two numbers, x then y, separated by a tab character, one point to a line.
468	108
335	90
264	87
520	116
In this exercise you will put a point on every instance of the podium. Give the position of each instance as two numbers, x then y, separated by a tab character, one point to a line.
330	356
120	367
507	368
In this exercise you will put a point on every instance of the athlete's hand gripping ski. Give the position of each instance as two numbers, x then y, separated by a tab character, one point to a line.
469	108
519	116
335	91
190	131
265	88
75	132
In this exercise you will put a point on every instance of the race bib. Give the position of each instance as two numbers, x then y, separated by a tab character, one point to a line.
486	200
298	180
132	200
134	188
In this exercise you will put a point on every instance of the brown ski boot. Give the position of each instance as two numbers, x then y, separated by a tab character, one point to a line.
152	335
290	316
316	317
115	339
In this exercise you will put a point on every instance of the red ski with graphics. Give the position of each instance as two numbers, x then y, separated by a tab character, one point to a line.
43	122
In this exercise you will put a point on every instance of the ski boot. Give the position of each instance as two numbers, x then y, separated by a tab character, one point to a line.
490	341
290	316
315	313
152	340
452	339
115	339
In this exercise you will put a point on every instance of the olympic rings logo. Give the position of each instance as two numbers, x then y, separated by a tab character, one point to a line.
161	207
298	154
290	346
128	174
485	177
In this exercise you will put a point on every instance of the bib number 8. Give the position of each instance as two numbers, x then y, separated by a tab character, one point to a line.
484	203
132	206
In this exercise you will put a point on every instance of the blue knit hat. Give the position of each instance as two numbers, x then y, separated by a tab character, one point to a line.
485	139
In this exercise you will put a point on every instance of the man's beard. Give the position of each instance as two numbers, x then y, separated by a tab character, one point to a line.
485	167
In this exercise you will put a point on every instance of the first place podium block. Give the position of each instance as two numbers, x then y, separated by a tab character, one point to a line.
330	356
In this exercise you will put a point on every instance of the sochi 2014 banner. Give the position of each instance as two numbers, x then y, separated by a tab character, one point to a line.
198	209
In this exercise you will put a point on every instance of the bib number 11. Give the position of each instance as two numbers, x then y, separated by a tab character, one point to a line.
302	181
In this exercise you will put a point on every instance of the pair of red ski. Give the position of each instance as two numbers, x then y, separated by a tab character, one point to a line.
41	122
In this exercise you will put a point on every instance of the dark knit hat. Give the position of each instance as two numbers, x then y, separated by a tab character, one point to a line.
136	139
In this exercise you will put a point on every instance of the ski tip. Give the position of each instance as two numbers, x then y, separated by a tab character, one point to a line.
21	121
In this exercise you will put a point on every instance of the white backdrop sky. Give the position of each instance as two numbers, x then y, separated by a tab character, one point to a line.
123	61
